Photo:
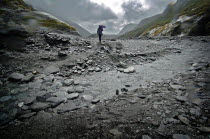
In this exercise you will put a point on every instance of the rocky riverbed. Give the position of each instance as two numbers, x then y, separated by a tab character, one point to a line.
63	86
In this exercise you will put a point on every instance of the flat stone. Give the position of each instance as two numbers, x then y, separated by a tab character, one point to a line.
28	78
71	90
115	132
95	101
1	83
142	96
39	106
79	89
177	87
146	137
72	96
51	70
204	129
180	136
87	97
68	82
27	116
181	98
56	101
5	98
184	120
69	106
29	100
16	77
197	101
129	70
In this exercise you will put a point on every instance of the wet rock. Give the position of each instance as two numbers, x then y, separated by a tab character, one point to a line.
43	98
5	98
204	129
39	106
142	96
62	54
56	101
180	136
16	77
1	83
20	104
79	89
87	97
27	116
181	98
95	101
89	47
29	100
197	101
24	108
184	120
68	82
146	137
69	106
71	90
28	78
115	132
124	90
177	87
51	70
122	65
195	112
161	129
129	70
72	96
97	69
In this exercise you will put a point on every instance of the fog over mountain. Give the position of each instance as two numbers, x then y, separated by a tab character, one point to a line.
114	14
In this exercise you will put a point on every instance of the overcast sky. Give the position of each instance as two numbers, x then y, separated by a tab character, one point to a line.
114	14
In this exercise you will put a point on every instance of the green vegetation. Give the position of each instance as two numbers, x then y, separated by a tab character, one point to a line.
52	23
194	7
197	7
14	4
161	21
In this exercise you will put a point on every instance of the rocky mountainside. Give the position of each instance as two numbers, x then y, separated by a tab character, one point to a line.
18	20
83	32
189	17
127	28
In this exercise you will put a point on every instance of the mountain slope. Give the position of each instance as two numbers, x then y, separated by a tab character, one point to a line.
189	17
127	28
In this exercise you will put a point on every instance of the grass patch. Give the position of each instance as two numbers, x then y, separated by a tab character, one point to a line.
56	25
196	7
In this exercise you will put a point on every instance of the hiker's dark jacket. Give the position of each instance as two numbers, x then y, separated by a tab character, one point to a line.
100	30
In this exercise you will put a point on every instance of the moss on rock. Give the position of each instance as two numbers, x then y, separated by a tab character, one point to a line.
56	25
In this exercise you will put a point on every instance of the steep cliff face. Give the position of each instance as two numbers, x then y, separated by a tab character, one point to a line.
189	17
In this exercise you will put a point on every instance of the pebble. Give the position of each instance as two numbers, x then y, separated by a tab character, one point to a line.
87	97
129	70
95	101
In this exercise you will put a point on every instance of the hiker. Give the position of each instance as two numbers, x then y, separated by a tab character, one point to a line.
99	32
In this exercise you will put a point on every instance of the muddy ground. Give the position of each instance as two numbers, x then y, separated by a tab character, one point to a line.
60	86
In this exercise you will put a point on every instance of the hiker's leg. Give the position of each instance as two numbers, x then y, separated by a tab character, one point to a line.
100	38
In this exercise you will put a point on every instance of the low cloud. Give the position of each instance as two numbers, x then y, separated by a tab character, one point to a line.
89	15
